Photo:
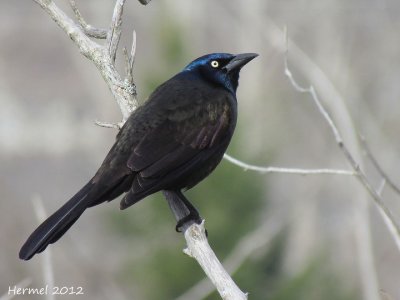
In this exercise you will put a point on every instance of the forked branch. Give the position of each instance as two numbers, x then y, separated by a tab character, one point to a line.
103	55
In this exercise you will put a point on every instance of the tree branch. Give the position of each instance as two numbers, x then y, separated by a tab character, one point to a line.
89	30
245	248
393	227
130	59
103	56
377	166
265	170
114	33
199	249
86	46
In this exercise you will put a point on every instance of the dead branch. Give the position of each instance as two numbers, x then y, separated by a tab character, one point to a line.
377	166
296	171
259	238
394	228
103	56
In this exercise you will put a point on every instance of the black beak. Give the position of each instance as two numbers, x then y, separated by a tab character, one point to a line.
239	61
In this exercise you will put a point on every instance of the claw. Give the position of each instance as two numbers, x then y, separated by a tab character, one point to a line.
195	217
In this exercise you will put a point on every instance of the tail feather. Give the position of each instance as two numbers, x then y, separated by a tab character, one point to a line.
57	224
120	187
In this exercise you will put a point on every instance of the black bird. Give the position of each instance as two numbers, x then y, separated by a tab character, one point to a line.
172	142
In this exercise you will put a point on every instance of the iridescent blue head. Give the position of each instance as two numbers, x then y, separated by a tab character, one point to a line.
221	68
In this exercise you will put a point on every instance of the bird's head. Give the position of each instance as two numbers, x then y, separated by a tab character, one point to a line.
220	68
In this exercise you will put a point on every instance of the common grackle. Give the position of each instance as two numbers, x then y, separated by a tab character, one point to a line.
171	143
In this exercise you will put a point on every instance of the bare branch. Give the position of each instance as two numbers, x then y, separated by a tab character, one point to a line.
130	59
109	125
394	228
86	46
387	221
114	33
246	247
199	249
133	51
377	165
296	171
123	92
89	30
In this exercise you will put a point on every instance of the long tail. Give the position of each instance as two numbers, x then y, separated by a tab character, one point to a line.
57	224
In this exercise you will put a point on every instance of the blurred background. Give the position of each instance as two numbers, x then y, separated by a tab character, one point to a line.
282	236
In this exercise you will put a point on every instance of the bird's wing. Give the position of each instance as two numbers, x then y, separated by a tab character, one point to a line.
171	150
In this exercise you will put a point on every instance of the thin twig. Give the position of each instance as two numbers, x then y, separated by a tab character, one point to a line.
374	161
109	125
130	59
394	228
387	221
133	51
89	30
336	103
114	33
296	171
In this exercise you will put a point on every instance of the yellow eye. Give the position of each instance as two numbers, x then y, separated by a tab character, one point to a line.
214	64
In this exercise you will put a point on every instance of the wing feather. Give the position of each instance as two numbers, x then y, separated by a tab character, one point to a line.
173	149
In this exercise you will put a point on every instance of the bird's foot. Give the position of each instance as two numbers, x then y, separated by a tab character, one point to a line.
195	217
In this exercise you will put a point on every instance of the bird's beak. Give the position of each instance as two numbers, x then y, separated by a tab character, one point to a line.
239	61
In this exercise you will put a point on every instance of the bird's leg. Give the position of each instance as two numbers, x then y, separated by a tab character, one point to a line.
192	216
185	213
